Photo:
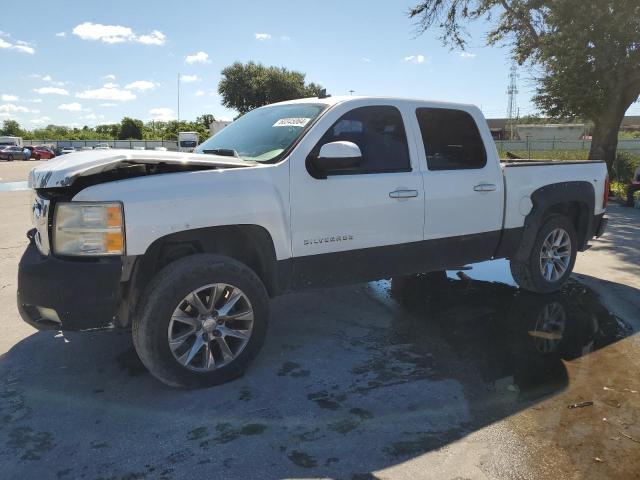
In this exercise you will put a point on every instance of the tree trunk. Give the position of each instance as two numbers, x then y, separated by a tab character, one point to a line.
605	136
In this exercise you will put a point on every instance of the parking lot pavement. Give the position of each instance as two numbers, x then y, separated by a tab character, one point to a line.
462	379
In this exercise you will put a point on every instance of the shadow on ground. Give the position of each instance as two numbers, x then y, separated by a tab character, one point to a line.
351	380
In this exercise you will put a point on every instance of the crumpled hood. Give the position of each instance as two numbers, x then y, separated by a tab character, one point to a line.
62	171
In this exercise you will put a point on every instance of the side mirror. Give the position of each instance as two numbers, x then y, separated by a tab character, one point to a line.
334	157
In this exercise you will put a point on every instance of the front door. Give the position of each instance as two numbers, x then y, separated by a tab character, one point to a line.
352	226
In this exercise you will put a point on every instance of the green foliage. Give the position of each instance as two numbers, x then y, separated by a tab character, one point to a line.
588	53
247	86
206	119
11	128
130	129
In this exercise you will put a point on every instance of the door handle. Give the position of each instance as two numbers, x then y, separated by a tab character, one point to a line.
403	194
485	187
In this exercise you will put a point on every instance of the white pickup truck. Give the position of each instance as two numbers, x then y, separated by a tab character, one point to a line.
186	248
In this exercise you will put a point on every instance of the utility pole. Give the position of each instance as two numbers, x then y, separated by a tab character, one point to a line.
351	92
512	91
178	101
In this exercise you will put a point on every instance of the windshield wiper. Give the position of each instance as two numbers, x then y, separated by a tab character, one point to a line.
224	152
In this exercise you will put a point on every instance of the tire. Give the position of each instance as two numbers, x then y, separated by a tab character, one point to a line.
164	308
10	158
528	274
37	157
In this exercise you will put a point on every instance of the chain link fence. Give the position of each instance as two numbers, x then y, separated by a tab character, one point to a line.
88	144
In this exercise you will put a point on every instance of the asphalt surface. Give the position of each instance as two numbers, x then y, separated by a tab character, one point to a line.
467	378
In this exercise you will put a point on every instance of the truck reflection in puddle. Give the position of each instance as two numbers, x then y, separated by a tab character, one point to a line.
512	338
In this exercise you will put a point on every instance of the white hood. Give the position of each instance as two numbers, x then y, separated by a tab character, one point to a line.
62	171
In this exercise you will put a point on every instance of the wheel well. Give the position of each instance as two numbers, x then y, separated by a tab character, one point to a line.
249	244
577	212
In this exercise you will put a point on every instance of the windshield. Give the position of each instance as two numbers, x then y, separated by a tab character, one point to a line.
262	135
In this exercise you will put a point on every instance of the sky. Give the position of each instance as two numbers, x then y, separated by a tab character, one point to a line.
88	63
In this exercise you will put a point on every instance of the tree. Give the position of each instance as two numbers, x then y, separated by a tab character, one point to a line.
247	86
11	128
588	52
207	119
130	129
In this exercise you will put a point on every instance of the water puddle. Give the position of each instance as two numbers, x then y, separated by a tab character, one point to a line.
13	186
515	340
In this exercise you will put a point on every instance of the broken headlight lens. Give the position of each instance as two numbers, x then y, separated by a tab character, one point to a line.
88	229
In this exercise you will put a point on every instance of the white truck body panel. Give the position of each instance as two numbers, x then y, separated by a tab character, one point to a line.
303	214
523	181
159	205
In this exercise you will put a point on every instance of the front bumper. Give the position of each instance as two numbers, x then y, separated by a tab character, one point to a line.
59	294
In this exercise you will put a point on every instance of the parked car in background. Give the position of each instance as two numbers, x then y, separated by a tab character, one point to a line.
11	153
102	146
41	152
160	149
66	150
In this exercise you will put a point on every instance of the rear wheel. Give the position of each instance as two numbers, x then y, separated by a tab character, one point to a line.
551	259
203	319
10	158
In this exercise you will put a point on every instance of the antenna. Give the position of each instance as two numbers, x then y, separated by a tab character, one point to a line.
512	91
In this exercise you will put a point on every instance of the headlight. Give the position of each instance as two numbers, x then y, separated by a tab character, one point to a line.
88	229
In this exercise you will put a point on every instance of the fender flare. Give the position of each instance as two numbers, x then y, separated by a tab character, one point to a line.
545	199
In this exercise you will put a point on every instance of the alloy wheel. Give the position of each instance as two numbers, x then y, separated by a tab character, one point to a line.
210	327
555	255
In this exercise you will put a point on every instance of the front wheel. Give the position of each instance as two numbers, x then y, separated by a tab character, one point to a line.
201	322
551	259
10	159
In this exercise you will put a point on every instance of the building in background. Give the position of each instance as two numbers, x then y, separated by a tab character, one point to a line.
217	125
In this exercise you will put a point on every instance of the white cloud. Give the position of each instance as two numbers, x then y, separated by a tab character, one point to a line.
262	36
11	108
35	100
466	55
93	116
40	120
366	60
9	98
285	38
156	37
108	104
19	46
71	107
61	34
109	91
140	85
199	93
104	33
162	114
51	91
198	57
189	78
415	59
47	78
110	76
116	34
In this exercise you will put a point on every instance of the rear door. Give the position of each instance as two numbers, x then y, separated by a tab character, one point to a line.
463	181
352	225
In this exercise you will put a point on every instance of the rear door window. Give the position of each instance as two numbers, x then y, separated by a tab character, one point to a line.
451	139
